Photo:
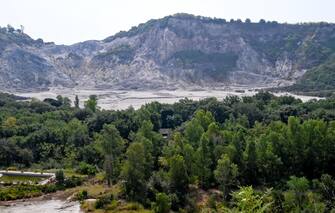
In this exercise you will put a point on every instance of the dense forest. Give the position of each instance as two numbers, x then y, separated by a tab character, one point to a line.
249	154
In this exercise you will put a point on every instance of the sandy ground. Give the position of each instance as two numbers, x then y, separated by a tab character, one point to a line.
51	203
122	99
49	206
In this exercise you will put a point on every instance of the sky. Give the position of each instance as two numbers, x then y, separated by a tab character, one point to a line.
72	21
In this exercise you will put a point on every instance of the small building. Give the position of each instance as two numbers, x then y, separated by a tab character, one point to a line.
166	133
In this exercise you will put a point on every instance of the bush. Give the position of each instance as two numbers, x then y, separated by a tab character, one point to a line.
82	195
19	192
73	182
60	177
86	169
49	188
103	201
162	204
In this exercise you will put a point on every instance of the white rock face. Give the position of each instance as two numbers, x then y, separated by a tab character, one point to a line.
173	52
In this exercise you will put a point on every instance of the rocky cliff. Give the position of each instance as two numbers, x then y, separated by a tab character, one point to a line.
176	51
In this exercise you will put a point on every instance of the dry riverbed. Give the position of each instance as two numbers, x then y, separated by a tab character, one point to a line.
122	99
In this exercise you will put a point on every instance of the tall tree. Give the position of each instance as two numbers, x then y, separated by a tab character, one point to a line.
193	132
204	162
146	131
148	150
76	102
178	174
250	163
205	118
162	204
226	174
92	103
133	172
112	147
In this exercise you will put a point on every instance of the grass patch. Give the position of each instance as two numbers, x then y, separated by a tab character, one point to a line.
95	191
24	191
20	179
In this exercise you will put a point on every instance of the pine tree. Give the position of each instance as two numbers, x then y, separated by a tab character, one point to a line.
226	174
76	102
112	147
133	172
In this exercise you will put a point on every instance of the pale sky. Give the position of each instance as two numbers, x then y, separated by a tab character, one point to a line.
71	21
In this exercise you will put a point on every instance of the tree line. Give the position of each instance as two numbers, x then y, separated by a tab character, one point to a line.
250	154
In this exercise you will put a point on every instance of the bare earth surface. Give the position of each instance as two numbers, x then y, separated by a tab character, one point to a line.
42	206
122	99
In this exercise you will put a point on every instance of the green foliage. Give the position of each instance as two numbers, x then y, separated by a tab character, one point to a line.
259	141
249	201
162	204
133	172
226	174
320	78
250	163
111	145
91	103
76	102
178	174
326	187
21	191
299	198
82	195
60	178
87	169
203	162
103	201
194	131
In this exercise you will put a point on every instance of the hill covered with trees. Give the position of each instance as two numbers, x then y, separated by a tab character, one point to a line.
250	154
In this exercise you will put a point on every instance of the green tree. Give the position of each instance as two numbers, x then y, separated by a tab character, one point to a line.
162	204
300	199
146	131
76	102
148	150
66	102
326	187
269	164
205	118
112	146
246	200
77	133
133	172
193	132
250	163
226	174
10	122
178	174
203	162
60	99
298	188
59	175
92	103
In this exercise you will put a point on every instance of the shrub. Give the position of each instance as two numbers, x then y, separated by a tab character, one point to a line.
162	204
87	169
82	195
73	182
60	177
103	201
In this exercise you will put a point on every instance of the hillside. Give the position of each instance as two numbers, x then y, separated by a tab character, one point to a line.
176	51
